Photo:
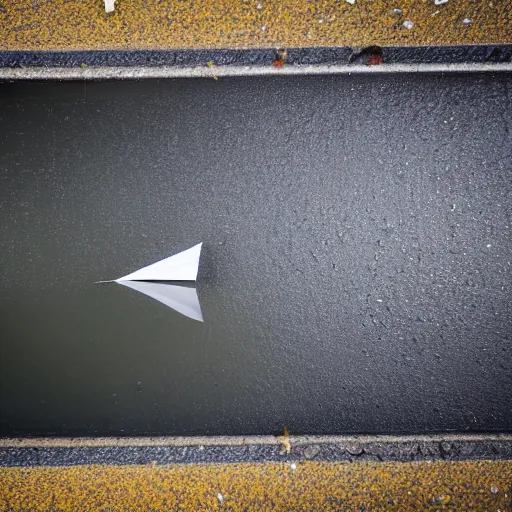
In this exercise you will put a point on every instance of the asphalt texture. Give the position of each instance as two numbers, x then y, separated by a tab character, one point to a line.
150	24
309	485
356	269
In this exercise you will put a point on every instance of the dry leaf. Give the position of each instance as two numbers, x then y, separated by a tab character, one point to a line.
285	442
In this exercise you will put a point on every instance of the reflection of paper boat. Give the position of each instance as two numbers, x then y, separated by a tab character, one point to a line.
180	267
180	298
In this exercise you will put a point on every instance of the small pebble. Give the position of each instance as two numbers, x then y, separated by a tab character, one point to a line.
293	466
259	6
264	28
466	21
220	497
440	2
398	11
489	246
351	2
311	451
408	24
494	489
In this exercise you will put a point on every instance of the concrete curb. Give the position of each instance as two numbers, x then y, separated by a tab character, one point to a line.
131	73
162	450
75	442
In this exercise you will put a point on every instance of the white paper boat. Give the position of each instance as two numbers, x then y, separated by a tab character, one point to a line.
180	267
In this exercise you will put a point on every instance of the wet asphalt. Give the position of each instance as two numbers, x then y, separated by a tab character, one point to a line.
356	269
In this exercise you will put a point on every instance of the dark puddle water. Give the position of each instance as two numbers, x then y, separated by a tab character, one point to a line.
356	269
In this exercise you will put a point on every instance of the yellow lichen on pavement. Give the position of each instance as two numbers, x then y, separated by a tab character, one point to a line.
152	24
483	485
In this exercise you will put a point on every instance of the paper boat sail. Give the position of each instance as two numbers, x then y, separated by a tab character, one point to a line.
180	267
180	298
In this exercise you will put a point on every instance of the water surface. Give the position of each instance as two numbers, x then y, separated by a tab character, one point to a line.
356	267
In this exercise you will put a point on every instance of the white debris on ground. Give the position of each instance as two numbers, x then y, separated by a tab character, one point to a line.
440	2
259	7
220	497
264	27
109	5
466	21
293	466
351	2
398	11
408	24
